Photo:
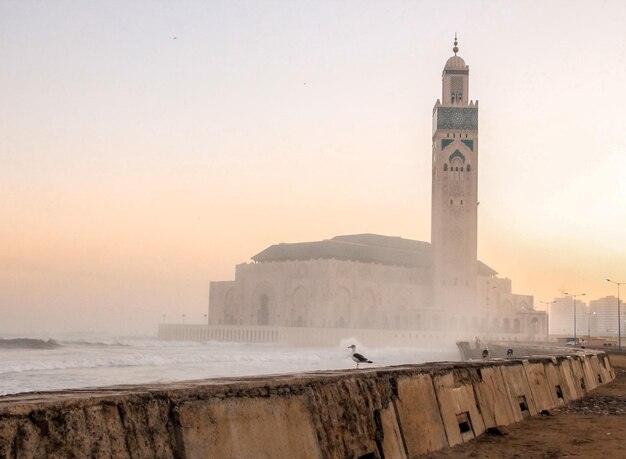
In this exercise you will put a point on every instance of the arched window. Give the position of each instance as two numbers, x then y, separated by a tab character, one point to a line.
468	168
445	167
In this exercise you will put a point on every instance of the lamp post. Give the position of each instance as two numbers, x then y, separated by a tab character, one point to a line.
547	303
574	297
619	316
589	315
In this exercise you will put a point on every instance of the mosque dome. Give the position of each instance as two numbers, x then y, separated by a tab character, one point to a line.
456	63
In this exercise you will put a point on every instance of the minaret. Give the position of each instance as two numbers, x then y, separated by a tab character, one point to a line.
455	190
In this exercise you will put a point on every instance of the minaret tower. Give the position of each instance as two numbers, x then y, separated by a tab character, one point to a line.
455	190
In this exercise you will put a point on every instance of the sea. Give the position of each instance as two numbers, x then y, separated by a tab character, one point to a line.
90	361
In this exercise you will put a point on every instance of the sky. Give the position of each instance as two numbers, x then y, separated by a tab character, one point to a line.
146	148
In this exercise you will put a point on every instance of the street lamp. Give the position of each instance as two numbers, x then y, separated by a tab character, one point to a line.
547	303
619	317
589	314
574	297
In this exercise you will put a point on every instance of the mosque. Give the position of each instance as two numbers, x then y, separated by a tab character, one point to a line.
376	282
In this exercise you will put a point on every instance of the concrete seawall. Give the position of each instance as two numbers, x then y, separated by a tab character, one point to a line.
393	412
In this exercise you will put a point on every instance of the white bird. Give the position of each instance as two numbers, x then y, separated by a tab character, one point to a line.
358	358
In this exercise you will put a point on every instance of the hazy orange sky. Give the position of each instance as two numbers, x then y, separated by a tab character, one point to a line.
148	147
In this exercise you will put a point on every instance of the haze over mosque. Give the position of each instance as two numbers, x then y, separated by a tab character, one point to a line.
377	282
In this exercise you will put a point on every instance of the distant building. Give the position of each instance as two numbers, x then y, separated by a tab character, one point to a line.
370	281
562	317
358	281
606	316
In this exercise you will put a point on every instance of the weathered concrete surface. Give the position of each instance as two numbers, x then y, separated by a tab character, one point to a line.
517	386
241	427
394	412
493	398
392	443
455	393
571	383
542	390
425	432
554	383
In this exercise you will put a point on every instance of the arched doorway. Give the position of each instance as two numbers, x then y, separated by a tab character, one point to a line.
263	312
262	308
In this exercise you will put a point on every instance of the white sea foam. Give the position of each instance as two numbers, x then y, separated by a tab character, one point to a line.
98	361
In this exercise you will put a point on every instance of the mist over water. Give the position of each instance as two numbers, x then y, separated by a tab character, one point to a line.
84	362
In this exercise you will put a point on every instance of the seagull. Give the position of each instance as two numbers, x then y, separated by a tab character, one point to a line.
485	354
358	358
509	352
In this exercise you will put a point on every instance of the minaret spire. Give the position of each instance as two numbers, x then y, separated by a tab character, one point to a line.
456	48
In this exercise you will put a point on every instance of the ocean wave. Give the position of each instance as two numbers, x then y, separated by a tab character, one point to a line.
148	343
148	359
81	342
28	343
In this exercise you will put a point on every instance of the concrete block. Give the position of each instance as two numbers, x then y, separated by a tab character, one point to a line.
493	398
277	428
591	379
418	411
392	443
543	392
556	383
520	395
580	379
603	375
458	407
354	404
605	361
571	389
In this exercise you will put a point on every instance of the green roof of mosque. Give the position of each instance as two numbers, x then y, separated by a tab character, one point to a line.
365	248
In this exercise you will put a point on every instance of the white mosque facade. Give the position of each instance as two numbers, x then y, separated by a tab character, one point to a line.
376	282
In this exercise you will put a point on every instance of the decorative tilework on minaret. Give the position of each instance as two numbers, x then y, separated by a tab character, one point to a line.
455	189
